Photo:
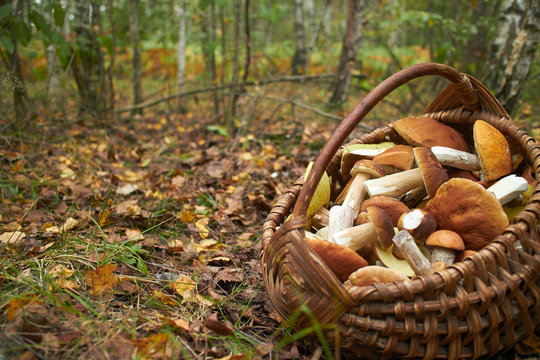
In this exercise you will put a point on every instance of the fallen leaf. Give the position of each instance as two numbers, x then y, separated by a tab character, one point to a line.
12	237
178	323
183	285
152	346
134	234
128	208
69	224
222	328
127	189
229	275
101	280
12	226
205	244
17	303
186	216
201	225
178	180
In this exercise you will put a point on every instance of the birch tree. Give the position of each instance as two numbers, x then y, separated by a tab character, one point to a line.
349	50
513	50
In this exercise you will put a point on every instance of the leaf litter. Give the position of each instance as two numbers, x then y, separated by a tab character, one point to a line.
135	240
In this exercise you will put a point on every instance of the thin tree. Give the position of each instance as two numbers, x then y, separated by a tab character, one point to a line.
349	50
209	47
236	62
136	61
298	62
110	69
181	52
513	49
88	65
21	101
53	80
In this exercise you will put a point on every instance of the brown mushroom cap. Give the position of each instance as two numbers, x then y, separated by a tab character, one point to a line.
432	171
446	239
340	259
399	156
463	206
428	132
367	167
393	207
375	274
493	151
383	225
419	223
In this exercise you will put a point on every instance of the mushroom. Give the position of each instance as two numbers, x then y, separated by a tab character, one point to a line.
374	274
508	188
456	158
393	207
343	216
399	157
357	237
419	223
429	173
464	206
411	252
340	259
389	259
320	218
445	243
493	151
355	152
428	132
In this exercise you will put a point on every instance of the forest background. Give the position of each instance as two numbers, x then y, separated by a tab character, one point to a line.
143	143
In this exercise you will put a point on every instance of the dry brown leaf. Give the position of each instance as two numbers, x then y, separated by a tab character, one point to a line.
229	275
134	234
127	189
12	226
178	180
153	346
222	328
101	280
12	237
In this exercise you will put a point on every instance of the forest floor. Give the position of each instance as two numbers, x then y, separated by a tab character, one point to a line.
141	238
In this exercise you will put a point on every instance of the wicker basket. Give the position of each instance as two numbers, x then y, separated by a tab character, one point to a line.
475	308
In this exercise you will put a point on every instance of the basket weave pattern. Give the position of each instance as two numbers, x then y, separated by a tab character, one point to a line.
478	307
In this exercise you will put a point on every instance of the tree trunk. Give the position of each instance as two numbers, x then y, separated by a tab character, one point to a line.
236	63
208	47
349	50
53	83
316	27
298	64
88	69
21	101
181	52
135	42
110	69
513	49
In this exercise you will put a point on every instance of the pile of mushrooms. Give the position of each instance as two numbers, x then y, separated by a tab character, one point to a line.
416	207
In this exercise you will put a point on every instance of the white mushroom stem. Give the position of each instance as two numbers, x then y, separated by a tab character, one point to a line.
355	237
356	193
508	188
395	184
445	255
410	251
456	158
341	217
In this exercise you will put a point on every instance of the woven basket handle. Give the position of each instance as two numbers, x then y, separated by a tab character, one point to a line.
463	86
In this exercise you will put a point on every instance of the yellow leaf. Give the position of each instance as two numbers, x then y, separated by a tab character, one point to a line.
205	244
203	230
186	216
183	285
